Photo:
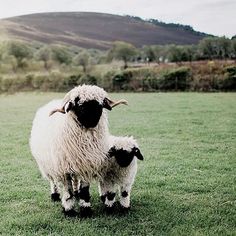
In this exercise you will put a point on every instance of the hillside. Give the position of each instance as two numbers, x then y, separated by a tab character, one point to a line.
94	30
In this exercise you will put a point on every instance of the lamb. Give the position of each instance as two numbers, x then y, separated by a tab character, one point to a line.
70	138
121	172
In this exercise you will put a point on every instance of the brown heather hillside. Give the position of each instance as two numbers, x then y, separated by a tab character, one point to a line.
93	30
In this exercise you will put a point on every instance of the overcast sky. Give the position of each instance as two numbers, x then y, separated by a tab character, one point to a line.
216	17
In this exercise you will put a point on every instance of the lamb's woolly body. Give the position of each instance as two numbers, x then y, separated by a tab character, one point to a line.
113	173
60	145
115	176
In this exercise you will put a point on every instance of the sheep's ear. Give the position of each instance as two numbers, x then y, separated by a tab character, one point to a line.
69	106
109	104
62	110
137	153
111	152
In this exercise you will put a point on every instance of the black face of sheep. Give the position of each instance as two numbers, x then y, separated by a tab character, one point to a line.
123	157
88	114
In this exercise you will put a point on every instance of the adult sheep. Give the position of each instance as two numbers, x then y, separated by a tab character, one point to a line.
69	137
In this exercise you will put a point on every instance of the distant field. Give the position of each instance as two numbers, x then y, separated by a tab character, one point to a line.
184	186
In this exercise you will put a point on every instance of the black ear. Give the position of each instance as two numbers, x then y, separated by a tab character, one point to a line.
137	153
69	106
106	104
111	152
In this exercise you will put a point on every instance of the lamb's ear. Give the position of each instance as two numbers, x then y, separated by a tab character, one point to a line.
111	152
137	153
109	104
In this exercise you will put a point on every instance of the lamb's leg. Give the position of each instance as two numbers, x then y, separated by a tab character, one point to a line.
107	195
125	191
84	195
68	200
102	192
55	195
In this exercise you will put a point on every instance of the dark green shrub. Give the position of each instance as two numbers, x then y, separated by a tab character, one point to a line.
229	82
121	80
176	79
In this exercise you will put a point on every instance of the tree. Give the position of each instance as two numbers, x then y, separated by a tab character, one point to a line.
207	48
82	59
223	47
61	55
233	48
44	54
123	51
175	53
149	54
20	51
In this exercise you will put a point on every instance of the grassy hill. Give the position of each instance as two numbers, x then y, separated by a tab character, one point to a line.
95	30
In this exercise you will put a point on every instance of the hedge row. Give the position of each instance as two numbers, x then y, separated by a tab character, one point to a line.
183	78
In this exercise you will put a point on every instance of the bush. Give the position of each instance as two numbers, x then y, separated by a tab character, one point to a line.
230	80
177	79
120	81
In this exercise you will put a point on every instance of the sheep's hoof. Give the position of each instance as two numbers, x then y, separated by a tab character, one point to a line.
55	197
70	213
85	212
109	210
76	195
124	210
103	198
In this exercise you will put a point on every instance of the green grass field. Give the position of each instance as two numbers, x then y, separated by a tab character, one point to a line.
185	186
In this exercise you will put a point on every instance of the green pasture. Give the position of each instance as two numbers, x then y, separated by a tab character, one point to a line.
186	184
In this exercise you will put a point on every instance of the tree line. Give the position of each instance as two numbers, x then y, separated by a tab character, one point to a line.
21	54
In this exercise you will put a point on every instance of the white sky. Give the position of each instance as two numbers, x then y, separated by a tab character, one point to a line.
216	17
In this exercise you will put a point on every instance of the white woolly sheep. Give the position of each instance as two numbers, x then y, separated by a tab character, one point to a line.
73	141
121	172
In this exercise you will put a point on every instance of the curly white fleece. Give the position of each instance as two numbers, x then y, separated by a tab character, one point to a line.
59	145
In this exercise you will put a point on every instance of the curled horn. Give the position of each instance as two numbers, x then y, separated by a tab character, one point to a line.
109	104
116	103
62	109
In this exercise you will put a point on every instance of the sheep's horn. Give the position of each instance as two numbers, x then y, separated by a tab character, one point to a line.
116	103
62	110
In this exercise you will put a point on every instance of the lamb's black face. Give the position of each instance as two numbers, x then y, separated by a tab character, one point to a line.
88	113
123	157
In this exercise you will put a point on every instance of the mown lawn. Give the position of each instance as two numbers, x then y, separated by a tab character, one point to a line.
185	186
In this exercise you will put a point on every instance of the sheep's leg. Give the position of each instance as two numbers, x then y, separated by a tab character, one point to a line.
75	183
107	195
102	192
68	200
110	200
125	191
55	195
84	195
